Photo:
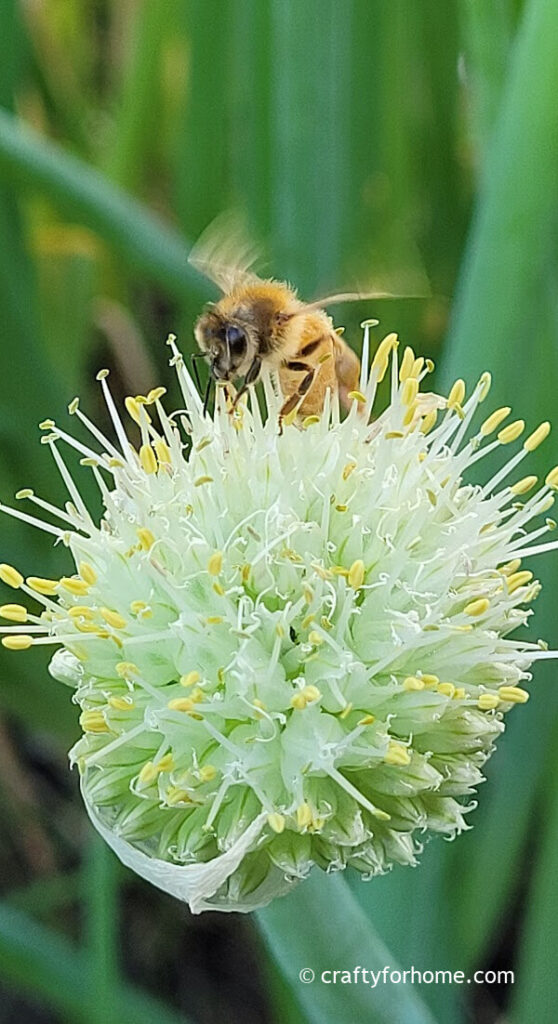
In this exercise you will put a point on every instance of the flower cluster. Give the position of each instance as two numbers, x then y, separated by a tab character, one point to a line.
289	648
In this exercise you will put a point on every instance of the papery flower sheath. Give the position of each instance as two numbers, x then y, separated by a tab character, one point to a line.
289	648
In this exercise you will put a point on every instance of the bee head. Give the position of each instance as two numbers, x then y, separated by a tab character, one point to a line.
228	345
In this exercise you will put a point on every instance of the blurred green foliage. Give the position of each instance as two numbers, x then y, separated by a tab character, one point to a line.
405	145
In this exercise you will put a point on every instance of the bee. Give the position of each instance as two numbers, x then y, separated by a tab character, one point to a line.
260	325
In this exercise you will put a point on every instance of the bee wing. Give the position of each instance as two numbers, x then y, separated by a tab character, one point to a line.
331	300
225	253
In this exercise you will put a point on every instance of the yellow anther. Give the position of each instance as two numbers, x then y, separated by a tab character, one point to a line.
348	468
484	385
413	683
276	822
397	754
115	463
14	612
357	396
409	391
121	703
73	406
356	574
417	366
80	611
429	421
155	394
459	693
511	567
513	695
305	696
391	434
215	563
447	689
133	408
551	481
411	414
197	694
311	693
207	772
405	370
137	607
102	374
493	421
346	710
93	721
148	773
203	480
298	701
42	586
162	451
304	816
537	437
126	668
72	585
176	795
519	579
488	701
166	763
457	394
181	704
145	537
47	425
87	573
309	421
113	618
478	607
511	432
25	492
523	485
148	459
367	720
21	642
315	638
214	620
383	352
190	679
429	680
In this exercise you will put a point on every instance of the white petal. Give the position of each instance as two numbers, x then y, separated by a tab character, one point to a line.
66	668
195	884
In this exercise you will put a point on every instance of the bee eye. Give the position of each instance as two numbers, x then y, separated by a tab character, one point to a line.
236	338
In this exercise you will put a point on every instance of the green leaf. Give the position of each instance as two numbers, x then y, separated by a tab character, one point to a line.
82	194
46	967
502	322
321	927
101	910
536	989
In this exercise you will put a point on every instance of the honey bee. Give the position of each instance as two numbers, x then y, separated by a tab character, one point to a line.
262	325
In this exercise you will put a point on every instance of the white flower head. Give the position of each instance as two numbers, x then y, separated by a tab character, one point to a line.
289	649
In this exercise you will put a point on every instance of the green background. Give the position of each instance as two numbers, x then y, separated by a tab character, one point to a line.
407	144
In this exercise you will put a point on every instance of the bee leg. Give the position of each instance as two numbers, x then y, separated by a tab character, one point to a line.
195	357
297	396
251	377
207	394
